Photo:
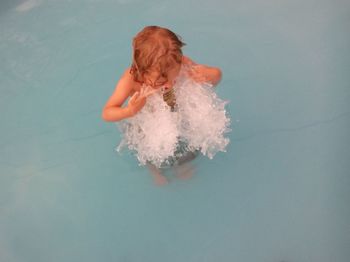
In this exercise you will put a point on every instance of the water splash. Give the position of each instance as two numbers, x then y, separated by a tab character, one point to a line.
200	120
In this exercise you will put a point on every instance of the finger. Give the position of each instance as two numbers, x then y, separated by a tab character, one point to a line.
148	89
142	91
134	96
145	91
138	98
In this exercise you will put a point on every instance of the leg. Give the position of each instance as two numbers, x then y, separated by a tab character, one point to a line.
184	170
159	179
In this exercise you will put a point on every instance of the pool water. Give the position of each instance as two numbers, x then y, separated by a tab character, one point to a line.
279	193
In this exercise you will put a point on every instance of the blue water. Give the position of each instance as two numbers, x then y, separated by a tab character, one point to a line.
280	193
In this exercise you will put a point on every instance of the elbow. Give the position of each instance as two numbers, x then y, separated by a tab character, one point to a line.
217	76
114	113
105	115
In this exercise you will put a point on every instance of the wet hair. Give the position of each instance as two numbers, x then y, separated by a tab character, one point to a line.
155	48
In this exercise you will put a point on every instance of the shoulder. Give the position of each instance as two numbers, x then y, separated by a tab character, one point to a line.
128	78
127	74
187	60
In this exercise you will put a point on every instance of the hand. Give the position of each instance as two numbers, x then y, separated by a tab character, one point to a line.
138	100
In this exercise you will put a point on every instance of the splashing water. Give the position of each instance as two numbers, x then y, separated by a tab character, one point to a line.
199	122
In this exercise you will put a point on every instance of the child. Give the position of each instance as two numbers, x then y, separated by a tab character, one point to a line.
173	112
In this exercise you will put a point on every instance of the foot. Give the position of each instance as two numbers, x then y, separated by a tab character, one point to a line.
184	171
160	180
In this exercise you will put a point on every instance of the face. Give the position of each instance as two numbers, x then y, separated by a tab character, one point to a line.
155	80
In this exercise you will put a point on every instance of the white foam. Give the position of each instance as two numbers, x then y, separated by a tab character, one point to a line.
200	120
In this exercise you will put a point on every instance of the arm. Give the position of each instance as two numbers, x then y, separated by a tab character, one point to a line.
203	73
113	110
212	74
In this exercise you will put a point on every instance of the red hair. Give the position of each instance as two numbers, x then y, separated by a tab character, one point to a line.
155	48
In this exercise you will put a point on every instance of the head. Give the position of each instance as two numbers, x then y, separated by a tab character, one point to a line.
157	56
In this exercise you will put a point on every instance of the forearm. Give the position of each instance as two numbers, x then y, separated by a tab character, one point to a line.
115	113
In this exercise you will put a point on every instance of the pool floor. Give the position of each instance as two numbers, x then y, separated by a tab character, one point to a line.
279	194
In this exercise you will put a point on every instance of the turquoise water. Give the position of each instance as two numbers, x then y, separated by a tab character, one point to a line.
280	193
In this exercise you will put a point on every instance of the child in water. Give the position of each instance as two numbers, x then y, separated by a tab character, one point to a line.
173	112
